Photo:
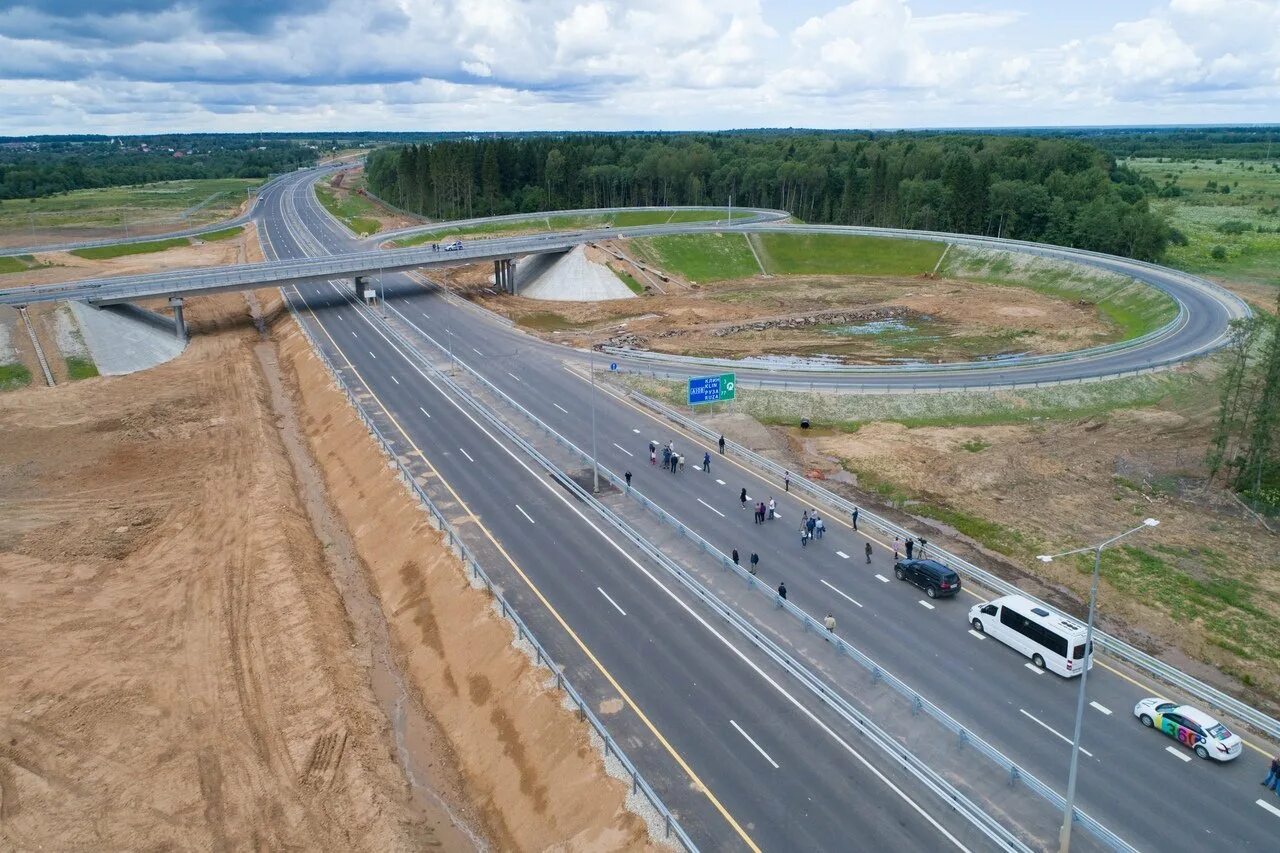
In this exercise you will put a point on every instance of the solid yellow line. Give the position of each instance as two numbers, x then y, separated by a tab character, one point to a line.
697	443
626	697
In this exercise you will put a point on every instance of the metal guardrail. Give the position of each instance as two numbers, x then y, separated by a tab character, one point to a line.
970	810
1112	645
672	827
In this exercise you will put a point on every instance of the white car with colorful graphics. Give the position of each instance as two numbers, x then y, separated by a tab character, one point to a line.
1194	729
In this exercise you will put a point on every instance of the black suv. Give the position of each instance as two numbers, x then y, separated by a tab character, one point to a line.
930	575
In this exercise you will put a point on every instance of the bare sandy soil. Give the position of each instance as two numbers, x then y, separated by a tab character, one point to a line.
351	181
179	671
947	319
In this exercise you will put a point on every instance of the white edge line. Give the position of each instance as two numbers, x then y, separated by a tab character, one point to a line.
751	741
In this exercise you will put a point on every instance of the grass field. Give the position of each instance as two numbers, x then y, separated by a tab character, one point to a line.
99	253
354	211
837	254
224	234
1135	308
1209	217
81	368
14	376
114	207
698	257
15	263
629	280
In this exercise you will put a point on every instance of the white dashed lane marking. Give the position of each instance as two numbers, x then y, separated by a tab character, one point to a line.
561	408
466	454
710	507
882	578
371	355
924	603
977	634
721	482
525	514
1101	708
1275	811
1177	753
753	743
611	601
838	592
1052	731
513	376
424	411
1037	670
841	554
623	449
393	379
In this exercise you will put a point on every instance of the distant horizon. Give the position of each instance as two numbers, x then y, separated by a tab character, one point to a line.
626	131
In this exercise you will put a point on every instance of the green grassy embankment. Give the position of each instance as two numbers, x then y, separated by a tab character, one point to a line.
16	263
698	257
1134	308
14	376
99	253
224	234
353	210
838	254
81	368
534	224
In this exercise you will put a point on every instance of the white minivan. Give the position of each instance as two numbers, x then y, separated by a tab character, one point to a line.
1051	640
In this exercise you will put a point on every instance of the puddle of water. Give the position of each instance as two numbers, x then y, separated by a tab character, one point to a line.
873	327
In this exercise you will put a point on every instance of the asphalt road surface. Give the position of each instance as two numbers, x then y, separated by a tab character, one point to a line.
1131	780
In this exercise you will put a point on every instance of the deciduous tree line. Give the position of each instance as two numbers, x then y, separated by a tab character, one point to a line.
1056	190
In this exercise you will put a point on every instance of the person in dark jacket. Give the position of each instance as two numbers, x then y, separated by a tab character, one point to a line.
869	559
755	561
911	544
706	462
743	497
735	556
782	590
855	518
628	476
722	445
1274	776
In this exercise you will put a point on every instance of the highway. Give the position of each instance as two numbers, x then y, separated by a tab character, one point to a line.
703	710
1130	780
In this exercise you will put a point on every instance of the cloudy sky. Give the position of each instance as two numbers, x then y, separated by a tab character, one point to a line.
134	66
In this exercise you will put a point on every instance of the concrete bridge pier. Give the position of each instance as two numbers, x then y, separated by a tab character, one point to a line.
361	283
504	275
179	325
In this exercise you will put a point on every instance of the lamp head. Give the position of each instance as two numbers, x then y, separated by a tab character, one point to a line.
1045	558
1150	522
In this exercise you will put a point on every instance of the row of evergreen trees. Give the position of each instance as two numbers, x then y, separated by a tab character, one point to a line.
1055	190
1246	441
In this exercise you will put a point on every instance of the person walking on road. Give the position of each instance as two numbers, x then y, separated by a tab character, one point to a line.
653	457
743	497
811	525
830	623
757	513
773	509
628	478
755	561
706	462
735	556
910	546
782	590
786	481
868	553
1274	776
722	445
855	518
666	458
804	536
820	527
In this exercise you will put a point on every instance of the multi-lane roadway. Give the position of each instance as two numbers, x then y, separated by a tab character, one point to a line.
709	703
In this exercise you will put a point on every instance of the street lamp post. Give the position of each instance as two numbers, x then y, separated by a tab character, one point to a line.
382	298
1068	817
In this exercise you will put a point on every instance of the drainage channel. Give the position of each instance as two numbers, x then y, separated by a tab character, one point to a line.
35	342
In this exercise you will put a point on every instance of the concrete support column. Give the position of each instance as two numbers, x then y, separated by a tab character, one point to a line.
511	275
498	283
361	282
179	325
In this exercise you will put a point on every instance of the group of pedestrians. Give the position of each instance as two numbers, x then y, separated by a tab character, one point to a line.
671	460
1273	778
765	511
811	527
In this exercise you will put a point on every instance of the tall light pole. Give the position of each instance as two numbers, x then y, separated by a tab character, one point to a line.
382	298
1064	835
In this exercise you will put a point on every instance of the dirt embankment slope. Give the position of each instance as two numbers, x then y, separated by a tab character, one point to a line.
183	661
526	761
178	667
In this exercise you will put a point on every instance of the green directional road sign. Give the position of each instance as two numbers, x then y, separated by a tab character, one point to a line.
711	389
